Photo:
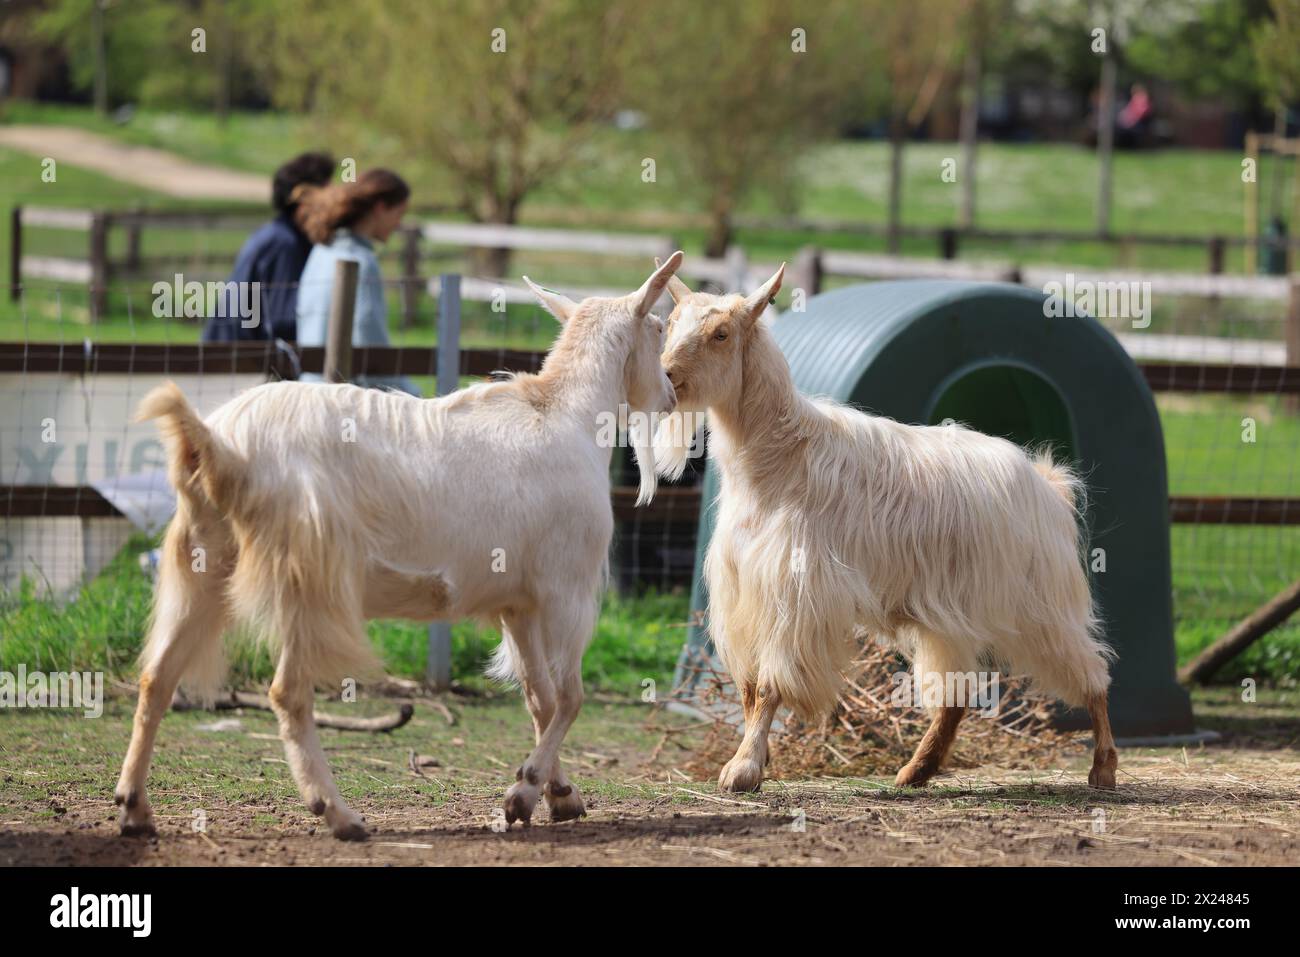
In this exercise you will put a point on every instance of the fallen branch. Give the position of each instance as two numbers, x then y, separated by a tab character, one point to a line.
1259	623
243	699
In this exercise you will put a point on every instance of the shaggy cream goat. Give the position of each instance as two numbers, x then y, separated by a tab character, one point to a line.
958	547
315	507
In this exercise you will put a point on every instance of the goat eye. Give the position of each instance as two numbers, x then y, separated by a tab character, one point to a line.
720	335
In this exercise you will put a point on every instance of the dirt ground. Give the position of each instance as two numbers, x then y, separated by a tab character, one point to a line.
222	796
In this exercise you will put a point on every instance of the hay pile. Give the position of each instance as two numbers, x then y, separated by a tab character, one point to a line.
870	733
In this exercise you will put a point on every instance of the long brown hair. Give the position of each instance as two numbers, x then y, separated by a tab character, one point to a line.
339	205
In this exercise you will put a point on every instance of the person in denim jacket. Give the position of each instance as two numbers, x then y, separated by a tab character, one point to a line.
345	220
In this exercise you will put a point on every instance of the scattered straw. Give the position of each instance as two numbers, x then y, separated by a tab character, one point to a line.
868	733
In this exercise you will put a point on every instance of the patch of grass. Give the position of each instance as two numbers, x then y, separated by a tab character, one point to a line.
103	628
1221	573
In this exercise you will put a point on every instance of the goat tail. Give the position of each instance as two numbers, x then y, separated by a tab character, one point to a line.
504	666
200	466
1064	481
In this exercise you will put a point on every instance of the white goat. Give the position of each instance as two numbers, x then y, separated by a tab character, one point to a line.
957	547
319	506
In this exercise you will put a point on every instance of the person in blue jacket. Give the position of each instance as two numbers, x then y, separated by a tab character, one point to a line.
345	220
273	257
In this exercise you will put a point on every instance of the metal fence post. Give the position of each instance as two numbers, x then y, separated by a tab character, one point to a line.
338	338
437	672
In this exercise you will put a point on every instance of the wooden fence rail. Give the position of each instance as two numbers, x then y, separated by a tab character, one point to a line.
97	270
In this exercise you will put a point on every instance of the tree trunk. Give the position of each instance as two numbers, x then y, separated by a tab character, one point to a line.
970	118
100	55
715	247
493	263
1105	140
225	67
1275	188
897	136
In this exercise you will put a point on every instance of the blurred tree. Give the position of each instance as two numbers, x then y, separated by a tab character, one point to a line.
1196	47
144	50
921	41
1045	43
1276	45
736	90
975	41
495	92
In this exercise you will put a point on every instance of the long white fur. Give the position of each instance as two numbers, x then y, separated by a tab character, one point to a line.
959	548
320	506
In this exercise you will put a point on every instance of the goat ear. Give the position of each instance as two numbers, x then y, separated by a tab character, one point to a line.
653	288
758	301
561	307
676	288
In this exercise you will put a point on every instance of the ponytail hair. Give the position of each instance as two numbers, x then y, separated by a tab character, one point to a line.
322	210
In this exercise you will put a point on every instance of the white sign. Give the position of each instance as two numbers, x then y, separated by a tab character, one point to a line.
72	430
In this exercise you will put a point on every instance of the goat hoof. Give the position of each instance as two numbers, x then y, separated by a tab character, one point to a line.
1102	777
139	829
565	804
741	775
520	801
351	832
136	819
913	776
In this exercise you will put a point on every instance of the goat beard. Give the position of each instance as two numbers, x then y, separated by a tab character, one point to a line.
641	433
674	438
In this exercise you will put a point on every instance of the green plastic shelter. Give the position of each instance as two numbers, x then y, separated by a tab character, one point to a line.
984	354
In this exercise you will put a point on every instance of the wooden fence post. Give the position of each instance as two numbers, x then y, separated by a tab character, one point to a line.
1216	248
343	306
410	277
98	266
737	269
808	271
133	244
437	669
948	243
15	253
